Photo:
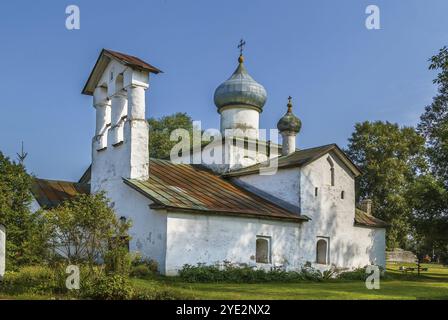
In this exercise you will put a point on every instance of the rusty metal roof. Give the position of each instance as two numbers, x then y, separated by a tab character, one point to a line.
51	193
132	61
364	219
182	187
104	59
300	158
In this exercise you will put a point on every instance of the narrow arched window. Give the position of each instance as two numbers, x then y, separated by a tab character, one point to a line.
263	254
316	191
342	194
321	251
330	162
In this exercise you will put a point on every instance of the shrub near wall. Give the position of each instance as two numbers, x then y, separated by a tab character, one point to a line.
244	274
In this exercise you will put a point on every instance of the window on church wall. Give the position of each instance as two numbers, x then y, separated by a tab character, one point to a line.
332	180
342	195
316	191
263	250
322	251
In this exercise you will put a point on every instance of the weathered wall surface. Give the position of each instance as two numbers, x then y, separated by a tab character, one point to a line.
242	118
232	156
2	250
333	217
285	184
194	238
148	229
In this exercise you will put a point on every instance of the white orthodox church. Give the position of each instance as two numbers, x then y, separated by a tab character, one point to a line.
302	213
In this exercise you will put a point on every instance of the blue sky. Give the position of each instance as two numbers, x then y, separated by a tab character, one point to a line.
319	52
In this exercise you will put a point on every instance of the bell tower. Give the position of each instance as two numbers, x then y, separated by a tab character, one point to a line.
120	145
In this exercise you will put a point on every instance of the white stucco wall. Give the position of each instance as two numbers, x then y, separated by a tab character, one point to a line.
285	184
195	238
333	217
2	250
148	231
232	156
130	159
240	117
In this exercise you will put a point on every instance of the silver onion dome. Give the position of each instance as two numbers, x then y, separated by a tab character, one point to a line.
240	89
289	122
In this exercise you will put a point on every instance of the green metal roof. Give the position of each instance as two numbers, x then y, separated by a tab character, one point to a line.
299	158
182	187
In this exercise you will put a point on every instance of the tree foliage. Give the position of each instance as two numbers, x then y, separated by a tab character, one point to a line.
429	201
85	229
390	158
434	122
430	193
22	226
160	131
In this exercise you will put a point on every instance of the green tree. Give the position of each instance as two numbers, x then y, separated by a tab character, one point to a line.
429	200
160	131
86	229
21	224
390	158
430	193
434	122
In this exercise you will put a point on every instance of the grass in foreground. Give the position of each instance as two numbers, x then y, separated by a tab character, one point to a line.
398	286
430	285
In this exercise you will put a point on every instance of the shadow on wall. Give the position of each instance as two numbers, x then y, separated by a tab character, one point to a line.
348	245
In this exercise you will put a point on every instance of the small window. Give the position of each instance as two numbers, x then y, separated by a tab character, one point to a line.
322	251
330	162
316	190
342	194
263	250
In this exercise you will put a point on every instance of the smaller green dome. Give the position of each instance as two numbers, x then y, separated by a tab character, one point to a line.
289	122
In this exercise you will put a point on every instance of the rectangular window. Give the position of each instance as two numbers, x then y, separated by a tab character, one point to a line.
263	249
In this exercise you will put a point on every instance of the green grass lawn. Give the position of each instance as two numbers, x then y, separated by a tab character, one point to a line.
430	285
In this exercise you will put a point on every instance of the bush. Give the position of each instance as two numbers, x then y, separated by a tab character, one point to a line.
142	267
107	287
140	271
34	279
152	265
244	274
118	261
356	274
360	274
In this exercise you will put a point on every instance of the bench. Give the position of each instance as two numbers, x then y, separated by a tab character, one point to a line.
411	269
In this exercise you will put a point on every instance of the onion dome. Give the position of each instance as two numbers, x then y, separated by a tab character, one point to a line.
289	122
240	89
